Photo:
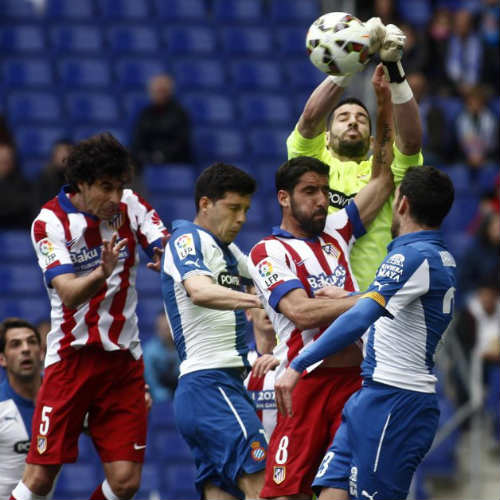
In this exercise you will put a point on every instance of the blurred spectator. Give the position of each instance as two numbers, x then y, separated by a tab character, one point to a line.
481	257
385	9
464	56
490	32
162	131
161	362
52	176
15	192
477	129
415	51
438	137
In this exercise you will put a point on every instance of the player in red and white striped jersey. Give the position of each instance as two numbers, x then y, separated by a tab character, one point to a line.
87	240
307	253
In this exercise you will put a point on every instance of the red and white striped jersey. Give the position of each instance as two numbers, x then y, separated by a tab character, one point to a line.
280	263
69	241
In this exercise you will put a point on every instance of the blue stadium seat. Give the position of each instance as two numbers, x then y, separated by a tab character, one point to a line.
262	108
221	144
301	74
247	238
458	242
129	10
21	38
171	446
26	73
202	74
147	281
170	178
136	72
207	108
87	131
69	9
172	207
291	40
19	9
77	480
147	310
488	176
86	450
254	75
462	212
181	10
269	142
257	216
162	416
33	106
33	309
246	41
264	171
38	141
451	107
21	279
132	39
295	11
31	168
238	11
78	72
66	38
416	12
460	176
189	39
16	246
134	102
150	482
179	481
91	107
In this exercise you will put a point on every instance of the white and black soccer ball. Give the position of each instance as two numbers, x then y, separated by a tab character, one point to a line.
338	44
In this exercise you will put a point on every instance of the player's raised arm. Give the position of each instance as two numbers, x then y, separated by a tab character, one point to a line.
371	198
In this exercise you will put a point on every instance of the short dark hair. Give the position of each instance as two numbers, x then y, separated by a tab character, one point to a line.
9	323
347	100
430	193
99	156
220	178
289	174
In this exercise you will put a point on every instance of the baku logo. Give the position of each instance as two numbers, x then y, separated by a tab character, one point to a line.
184	245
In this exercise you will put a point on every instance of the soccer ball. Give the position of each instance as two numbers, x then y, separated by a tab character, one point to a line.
338	44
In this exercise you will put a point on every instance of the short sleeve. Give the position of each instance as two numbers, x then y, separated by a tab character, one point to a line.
269	267
298	145
402	278
47	235
402	162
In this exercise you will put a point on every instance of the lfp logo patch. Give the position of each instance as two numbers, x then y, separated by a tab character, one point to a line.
47	250
184	245
265	269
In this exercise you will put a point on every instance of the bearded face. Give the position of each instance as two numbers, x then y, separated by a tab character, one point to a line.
312	221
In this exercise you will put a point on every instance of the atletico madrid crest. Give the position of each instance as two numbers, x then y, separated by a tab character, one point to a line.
279	474
41	444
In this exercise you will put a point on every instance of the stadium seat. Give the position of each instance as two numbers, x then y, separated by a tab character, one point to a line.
77	480
33	106
269	142
189	40
150	482
21	38
137	72
87	131
147	310
91	107
416	12
86	450
295	11
170	178
147	282
171	447
172	207
16	246
246	41
134	102
126	10
69	9
26	73
162	415
202	74
247	238
302	75
256	75
20	10
37	141
238	11
31	168
85	73
488	176
179	481
181	10
460	176
291	41
221	144
75	38
262	108
462	212
451	107
20	279
132	39
33	309
207	108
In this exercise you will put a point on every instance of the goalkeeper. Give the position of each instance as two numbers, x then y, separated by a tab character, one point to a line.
339	134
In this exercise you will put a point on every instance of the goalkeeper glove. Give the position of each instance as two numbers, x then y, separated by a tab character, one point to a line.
391	49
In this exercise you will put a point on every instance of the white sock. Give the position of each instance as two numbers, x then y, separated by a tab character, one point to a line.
22	492
106	491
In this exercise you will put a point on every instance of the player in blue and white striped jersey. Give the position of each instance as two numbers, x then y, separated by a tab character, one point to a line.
389	424
202	277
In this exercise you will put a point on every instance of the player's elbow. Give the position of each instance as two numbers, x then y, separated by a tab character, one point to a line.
301	319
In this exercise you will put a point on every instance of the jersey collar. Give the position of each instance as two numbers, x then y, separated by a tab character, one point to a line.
406	239
66	204
278	231
19	400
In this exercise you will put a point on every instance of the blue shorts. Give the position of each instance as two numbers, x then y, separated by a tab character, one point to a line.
218	420
384	435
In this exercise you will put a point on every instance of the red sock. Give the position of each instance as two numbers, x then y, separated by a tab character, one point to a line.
97	495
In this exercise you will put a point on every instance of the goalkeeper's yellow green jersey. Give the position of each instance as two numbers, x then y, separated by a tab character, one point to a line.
346	179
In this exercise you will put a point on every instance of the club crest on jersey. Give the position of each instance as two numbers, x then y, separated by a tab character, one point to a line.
116	222
330	249
184	245
265	269
41	444
258	452
279	474
47	250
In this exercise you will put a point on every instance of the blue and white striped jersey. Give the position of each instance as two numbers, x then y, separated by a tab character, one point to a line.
205	338
415	284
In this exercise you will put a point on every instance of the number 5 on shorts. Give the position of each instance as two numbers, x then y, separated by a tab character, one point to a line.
45	423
